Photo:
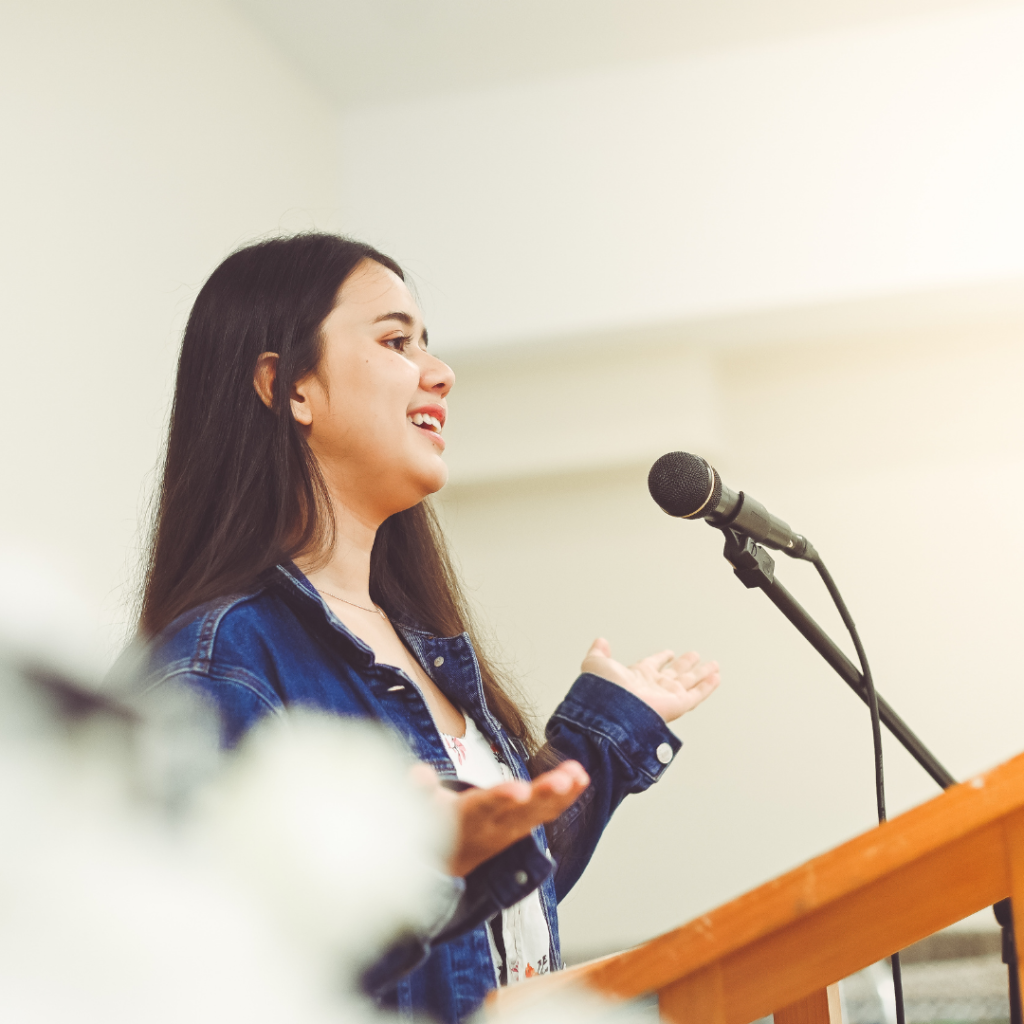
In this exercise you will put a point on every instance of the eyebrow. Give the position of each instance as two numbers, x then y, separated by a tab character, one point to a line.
401	317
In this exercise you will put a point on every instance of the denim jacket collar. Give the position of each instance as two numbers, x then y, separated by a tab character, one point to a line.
450	662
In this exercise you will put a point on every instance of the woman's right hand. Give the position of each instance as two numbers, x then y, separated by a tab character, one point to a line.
490	820
667	684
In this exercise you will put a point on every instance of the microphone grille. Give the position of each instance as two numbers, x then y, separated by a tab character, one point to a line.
681	484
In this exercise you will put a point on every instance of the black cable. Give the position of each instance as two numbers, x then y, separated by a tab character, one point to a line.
876	738
755	568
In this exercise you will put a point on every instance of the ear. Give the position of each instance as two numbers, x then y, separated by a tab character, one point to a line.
265	378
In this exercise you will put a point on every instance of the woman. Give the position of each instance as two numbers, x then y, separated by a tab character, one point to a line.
295	562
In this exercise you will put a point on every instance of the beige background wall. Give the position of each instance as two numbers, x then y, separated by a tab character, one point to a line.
795	247
803	257
141	143
795	171
901	456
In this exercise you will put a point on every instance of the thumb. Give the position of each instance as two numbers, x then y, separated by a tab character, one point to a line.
600	648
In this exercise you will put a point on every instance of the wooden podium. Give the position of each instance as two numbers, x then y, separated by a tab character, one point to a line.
781	948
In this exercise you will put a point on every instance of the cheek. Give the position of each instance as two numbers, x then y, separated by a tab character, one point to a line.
369	400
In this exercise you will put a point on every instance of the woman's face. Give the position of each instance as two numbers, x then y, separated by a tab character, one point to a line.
375	407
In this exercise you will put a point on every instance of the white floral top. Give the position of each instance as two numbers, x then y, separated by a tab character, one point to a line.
524	928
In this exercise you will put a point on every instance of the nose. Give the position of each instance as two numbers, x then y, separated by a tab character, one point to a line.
436	376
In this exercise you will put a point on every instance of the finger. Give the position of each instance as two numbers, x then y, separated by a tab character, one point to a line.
567	777
672	683
577	770
504	824
599	648
553	793
685	662
546	806
492	819
557	783
494	803
701	672
513	793
656	662
511	802
703	690
707	669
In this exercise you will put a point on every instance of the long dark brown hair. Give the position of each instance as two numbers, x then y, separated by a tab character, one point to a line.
241	490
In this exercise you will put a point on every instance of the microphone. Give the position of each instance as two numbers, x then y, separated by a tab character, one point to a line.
685	486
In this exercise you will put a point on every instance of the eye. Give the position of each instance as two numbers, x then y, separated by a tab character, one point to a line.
399	343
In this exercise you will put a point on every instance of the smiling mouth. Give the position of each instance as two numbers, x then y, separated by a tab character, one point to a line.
425	421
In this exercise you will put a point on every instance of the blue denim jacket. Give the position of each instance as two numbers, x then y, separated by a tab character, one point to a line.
280	646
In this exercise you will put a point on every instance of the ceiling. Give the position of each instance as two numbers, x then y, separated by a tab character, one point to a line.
366	51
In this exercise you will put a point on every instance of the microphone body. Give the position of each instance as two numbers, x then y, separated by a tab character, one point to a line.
687	487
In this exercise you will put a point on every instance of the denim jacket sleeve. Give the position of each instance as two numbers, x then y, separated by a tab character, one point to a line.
495	885
624	745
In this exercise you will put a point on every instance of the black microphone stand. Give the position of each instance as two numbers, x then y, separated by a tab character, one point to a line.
755	568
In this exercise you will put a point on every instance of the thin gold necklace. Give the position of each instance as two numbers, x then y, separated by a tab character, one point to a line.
361	607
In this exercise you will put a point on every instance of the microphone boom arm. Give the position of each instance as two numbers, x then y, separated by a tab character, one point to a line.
688	487
756	569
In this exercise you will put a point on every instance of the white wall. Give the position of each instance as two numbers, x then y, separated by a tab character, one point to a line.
867	161
805	260
900	455
142	142
446	46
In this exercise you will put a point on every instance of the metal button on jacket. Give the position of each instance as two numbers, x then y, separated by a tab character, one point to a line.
438	661
521	877
663	753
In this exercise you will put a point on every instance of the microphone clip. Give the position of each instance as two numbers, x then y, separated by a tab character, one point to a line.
753	566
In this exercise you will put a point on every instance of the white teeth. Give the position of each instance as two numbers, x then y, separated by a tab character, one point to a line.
422	418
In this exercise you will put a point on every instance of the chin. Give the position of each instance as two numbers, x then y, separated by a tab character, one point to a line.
437	480
421	484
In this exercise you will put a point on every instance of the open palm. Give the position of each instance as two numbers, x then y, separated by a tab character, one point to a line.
670	685
488	821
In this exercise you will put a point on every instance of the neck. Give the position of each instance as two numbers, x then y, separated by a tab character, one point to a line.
346	571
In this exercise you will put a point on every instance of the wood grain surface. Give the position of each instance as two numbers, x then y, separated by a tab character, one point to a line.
788	940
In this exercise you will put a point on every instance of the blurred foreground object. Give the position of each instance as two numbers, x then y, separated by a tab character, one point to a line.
146	876
145	879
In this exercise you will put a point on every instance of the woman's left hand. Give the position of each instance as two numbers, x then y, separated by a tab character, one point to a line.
488	821
670	685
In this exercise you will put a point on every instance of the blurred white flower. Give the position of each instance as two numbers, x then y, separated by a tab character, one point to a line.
128	895
320	817
144	879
